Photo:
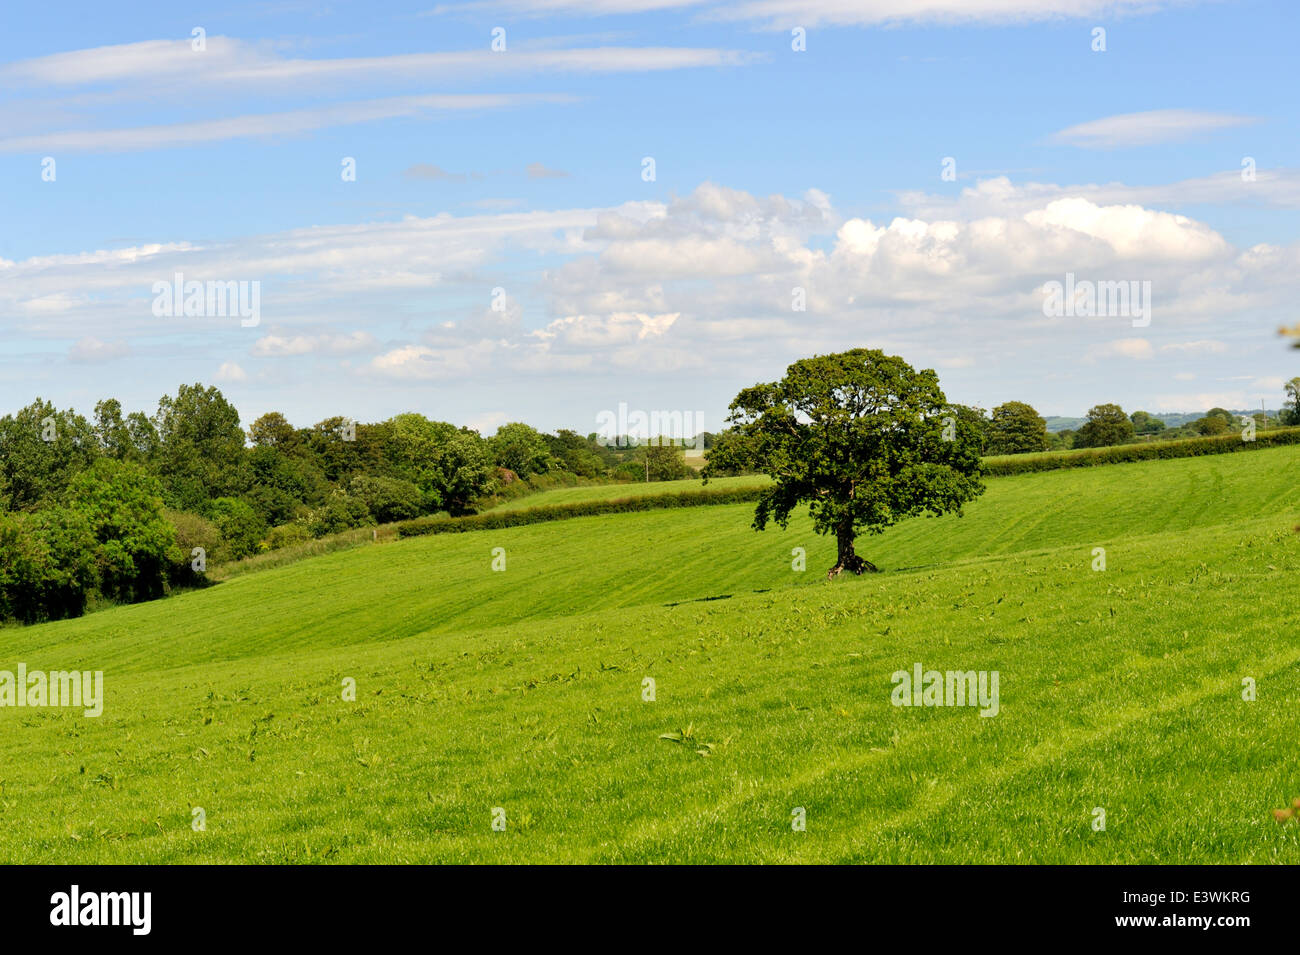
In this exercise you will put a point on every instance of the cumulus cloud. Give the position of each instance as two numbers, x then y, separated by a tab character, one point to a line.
717	282
231	372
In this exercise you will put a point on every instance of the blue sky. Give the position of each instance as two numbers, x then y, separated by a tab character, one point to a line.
521	170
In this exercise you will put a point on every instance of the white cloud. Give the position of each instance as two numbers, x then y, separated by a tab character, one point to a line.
783	14
291	123
279	346
1148	128
231	372
1204	400
1123	348
94	350
537	170
1201	347
236	63
704	285
999	196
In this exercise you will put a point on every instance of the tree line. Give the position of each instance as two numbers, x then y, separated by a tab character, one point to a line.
1017	428
125	507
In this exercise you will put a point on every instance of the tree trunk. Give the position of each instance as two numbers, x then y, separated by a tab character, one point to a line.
847	559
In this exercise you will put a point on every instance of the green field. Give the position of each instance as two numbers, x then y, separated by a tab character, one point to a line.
522	689
611	492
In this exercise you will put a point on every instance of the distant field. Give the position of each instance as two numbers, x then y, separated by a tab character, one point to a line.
609	492
522	689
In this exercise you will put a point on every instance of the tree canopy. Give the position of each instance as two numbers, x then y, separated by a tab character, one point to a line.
860	437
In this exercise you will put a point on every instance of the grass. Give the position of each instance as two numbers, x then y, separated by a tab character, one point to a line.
522	689
613	492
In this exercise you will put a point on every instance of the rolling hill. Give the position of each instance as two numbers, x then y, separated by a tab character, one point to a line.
522	689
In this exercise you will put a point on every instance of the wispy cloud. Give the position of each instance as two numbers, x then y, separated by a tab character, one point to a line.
295	122
1148	128
432	173
230	62
787	13
536	170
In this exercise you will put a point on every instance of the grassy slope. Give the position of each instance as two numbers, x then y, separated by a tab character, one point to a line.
523	690
610	492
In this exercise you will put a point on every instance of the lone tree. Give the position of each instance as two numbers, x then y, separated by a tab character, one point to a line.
1017	428
862	437
1106	425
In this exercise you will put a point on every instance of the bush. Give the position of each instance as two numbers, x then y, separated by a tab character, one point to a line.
134	543
240	525
47	566
286	535
194	530
340	512
388	499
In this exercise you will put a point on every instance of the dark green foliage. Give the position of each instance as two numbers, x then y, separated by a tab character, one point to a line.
1211	425
1016	428
1146	423
194	531
41	449
201	448
340	512
859	437
134	545
1106	425
241	527
388	499
46	567
520	449
1291	407
665	462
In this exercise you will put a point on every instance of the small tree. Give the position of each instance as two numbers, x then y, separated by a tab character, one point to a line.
521	449
1017	428
859	436
1106	425
1291	409
135	545
665	462
1146	423
1211	425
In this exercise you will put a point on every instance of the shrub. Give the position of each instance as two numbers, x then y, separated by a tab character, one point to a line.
388	499
240	526
340	512
194	530
134	543
286	535
47	565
